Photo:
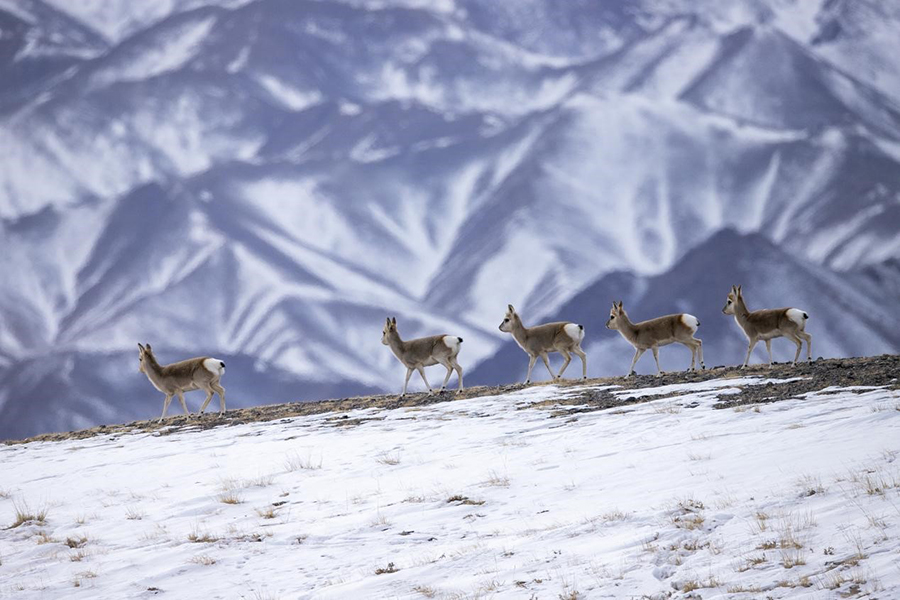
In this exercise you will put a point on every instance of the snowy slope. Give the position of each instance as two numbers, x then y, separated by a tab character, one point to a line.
499	496
267	180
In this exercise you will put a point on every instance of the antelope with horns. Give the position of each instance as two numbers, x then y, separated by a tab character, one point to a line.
768	324
202	373
424	352
539	340
657	332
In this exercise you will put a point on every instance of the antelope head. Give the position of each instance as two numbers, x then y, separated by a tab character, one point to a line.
390	327
615	314
732	300
508	319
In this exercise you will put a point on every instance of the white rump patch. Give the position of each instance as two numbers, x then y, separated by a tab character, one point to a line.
691	322
452	342
796	315
214	365
574	331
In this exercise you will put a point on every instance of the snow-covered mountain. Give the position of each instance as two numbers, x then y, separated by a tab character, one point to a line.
265	180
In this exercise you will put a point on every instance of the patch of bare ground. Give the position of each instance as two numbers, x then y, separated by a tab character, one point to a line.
881	370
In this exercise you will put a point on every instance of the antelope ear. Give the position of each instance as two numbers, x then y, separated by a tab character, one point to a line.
387	321
141	348
148	348
510	308
620	305
394	321
739	290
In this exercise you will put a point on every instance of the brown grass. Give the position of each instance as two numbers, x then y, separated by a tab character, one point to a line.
389	568
76	542
25	515
294	462
464	500
496	480
267	512
201	537
232	497
43	538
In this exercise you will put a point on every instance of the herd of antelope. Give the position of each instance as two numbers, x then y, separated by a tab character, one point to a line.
204	373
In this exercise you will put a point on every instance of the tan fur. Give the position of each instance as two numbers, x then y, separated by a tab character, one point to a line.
650	335
184	376
422	352
766	325
542	339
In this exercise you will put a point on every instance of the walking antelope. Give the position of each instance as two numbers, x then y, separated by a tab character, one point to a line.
424	352
657	332
202	373
539	340
768	324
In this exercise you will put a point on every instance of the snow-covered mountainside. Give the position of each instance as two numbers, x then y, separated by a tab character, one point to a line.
537	493
264	181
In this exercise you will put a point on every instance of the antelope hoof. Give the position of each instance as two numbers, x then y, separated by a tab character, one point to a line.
702	366
527	381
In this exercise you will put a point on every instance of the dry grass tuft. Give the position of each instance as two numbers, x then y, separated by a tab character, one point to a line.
874	481
232	497
80	577
390	568
791	558
294	462
24	515
380	520
464	500
203	559
428	592
134	514
78	556
688	515
43	538
613	516
76	542
267	512
496	480
201	537
751	562
388	458
696	584
810	485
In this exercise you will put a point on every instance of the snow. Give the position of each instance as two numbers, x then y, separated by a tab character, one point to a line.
287	95
179	45
796	499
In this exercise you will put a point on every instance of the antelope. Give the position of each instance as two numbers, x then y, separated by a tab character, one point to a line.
562	337
768	324
423	352
202	373
654	333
